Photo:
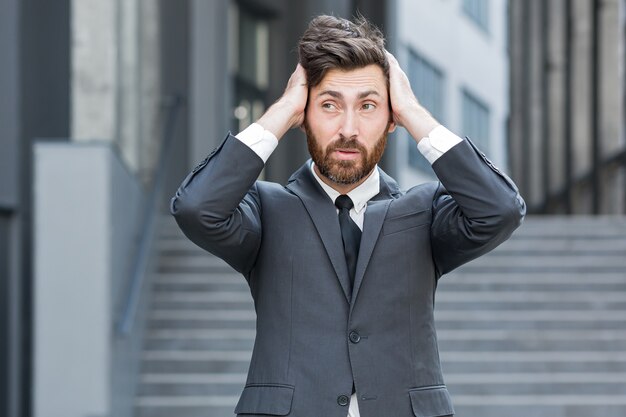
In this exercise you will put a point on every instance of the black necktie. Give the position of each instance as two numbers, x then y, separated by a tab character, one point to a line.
350	234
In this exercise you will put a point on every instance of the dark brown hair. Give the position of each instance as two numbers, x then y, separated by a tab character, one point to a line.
335	43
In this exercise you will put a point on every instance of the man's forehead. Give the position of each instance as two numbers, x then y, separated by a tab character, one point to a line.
369	79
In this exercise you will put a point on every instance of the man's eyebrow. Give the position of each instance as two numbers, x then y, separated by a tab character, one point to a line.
369	93
331	93
337	94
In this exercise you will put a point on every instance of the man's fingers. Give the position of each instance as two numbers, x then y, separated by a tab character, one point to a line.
298	77
392	59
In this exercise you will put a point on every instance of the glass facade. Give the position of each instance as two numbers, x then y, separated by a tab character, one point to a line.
249	64
478	12
476	120
427	82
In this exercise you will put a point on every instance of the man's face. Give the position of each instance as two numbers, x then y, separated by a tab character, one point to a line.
347	121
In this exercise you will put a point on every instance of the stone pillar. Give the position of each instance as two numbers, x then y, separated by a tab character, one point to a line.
517	127
534	133
611	110
94	71
581	92
115	79
556	93
210	104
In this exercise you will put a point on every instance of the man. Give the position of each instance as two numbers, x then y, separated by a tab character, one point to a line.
344	286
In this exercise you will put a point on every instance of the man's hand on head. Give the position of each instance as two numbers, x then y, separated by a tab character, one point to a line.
406	109
288	111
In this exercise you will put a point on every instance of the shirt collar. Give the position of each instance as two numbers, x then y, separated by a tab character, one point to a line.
360	195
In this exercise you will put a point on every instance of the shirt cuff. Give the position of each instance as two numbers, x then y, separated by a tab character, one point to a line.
439	141
261	141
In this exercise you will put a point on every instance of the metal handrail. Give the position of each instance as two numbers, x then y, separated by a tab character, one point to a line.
140	268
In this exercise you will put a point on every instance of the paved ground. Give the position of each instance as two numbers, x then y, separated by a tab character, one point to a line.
537	328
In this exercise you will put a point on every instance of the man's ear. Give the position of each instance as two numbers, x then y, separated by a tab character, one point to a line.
392	126
306	109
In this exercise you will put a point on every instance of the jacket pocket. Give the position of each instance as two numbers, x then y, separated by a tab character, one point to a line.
269	399
431	401
405	222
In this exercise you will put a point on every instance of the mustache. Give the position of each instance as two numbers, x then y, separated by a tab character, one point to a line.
345	143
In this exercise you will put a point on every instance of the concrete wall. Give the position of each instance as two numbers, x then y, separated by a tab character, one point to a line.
34	102
10	236
86	211
468	56
115	79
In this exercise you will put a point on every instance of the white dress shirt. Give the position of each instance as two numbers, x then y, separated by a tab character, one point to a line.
438	142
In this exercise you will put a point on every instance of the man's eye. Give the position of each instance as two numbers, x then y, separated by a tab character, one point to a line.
328	106
369	106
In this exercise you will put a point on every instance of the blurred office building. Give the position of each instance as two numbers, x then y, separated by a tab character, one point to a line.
455	54
104	108
567	145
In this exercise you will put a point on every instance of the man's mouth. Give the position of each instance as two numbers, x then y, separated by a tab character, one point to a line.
346	153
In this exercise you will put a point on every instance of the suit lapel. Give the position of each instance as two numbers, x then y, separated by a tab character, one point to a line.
324	216
372	223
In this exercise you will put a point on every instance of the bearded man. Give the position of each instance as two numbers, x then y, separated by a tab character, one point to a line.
343	265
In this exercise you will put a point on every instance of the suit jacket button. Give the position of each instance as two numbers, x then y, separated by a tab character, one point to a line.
343	400
355	337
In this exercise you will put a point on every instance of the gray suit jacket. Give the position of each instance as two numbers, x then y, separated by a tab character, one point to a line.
316	338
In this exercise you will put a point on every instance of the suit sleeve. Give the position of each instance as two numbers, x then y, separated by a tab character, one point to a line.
217	206
476	208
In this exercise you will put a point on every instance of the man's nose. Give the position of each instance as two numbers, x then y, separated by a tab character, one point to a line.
350	124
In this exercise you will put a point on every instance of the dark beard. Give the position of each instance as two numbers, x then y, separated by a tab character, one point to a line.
341	171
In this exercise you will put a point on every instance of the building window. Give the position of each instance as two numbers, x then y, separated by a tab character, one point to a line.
427	83
249	65
476	120
478	11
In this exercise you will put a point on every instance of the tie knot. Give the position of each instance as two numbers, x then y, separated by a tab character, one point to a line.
344	202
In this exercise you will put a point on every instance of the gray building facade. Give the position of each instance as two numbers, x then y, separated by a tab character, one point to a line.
566	131
34	102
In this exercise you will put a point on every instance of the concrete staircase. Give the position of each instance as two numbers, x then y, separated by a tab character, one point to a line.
537	328
199	336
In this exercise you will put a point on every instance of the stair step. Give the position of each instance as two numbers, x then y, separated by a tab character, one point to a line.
201	355
205	296
179	389
163	409
541	316
232	285
531	296
199	278
528	334
559	246
532	366
208	305
192	367
226	334
548	405
200	325
187	401
194	378
198	344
